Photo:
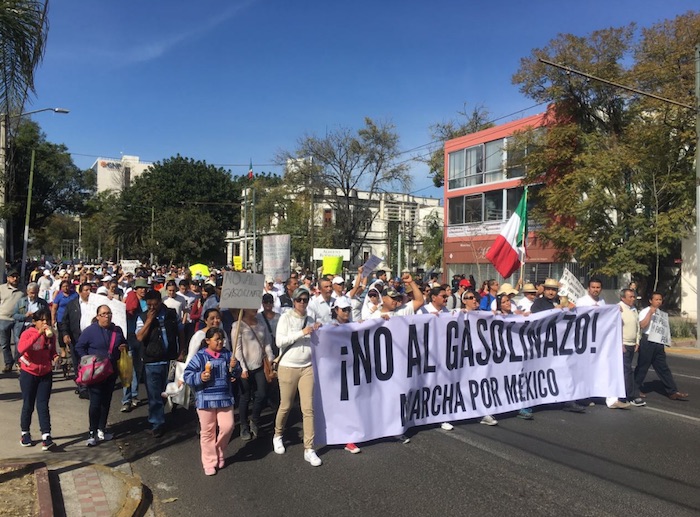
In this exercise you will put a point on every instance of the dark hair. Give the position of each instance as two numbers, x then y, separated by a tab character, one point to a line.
208	312
83	285
651	296
171	283
153	294
436	291
42	314
379	273
210	334
499	299
595	279
184	281
209	289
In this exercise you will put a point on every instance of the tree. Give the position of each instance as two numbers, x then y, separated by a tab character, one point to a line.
340	164
59	186
23	30
441	132
616	169
431	235
187	204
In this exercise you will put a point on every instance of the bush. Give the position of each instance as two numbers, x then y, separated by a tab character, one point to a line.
682	328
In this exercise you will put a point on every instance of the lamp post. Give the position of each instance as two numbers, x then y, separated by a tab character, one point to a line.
4	119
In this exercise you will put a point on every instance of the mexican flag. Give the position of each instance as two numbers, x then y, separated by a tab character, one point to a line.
508	252
250	170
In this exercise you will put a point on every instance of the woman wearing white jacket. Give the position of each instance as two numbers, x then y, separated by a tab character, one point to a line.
295	372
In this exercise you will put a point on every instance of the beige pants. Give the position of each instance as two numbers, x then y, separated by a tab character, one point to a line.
291	380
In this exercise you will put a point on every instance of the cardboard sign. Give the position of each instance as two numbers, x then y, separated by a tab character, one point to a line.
241	290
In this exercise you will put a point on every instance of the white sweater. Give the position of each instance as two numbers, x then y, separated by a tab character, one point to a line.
290	335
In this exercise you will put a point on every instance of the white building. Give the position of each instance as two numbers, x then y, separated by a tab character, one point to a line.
400	215
113	174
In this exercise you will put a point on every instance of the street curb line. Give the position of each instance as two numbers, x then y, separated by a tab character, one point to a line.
41	484
133	498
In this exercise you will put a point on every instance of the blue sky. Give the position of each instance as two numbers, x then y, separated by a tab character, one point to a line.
230	81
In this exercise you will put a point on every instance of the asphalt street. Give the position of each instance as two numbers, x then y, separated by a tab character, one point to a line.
642	461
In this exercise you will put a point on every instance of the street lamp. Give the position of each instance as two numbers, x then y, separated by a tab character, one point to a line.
4	118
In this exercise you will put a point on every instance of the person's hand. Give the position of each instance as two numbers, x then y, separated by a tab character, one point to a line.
66	340
28	315
122	348
316	326
244	374
206	376
55	360
406	278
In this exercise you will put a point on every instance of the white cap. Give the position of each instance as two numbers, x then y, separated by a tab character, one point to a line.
339	280
102	290
106	278
341	302
269	280
47	272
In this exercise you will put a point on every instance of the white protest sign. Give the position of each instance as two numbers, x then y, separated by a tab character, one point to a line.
659	328
129	266
570	286
118	309
372	262
276	256
319	253
241	290
380	377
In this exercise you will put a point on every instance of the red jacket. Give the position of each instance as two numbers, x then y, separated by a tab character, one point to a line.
36	352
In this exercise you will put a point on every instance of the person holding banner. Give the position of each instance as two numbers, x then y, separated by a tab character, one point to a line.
656	336
320	306
372	302
295	372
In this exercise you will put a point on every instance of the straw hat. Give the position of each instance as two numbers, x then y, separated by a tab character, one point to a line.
529	288
550	282
506	289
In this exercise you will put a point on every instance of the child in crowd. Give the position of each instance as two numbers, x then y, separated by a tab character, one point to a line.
208	375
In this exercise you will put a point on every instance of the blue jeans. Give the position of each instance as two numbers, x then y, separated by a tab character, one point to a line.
6	328
35	391
156	380
132	392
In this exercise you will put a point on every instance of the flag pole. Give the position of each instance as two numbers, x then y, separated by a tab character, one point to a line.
523	236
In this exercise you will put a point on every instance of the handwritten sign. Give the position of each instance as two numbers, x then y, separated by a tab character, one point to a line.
241	290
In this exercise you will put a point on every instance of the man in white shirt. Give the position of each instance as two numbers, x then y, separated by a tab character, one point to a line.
392	301
438	299
652	352
525	303
320	306
338	287
592	297
631	333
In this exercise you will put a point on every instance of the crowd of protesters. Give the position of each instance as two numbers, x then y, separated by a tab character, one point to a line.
228	356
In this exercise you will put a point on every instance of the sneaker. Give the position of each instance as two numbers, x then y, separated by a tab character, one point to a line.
92	441
618	404
210	472
638	402
47	443
311	457
278	445
84	395
254	429
525	414
245	434
125	408
403	438
489	420
26	440
447	426
352	448
134	403
573	407
104	437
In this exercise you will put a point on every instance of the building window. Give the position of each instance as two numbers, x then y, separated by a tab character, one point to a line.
473	209
127	178
493	205
493	159
455	210
465	167
327	217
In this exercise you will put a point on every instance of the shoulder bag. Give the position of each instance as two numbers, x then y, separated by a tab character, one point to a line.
94	369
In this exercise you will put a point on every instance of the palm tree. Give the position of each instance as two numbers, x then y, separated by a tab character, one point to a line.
23	29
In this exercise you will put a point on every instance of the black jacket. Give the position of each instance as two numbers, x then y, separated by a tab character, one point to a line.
153	345
71	320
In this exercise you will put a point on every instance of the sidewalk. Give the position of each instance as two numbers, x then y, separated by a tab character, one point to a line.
84	481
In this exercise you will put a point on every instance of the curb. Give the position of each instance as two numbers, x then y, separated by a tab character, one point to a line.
134	498
41	483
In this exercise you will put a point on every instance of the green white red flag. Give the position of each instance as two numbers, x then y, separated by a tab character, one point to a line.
250	170
507	254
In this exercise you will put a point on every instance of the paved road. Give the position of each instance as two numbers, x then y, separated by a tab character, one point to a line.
606	462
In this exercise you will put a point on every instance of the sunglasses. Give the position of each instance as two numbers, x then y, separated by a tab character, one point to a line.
470	298
345	309
302	300
373	295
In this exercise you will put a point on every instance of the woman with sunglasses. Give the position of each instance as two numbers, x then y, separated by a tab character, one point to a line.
373	300
295	372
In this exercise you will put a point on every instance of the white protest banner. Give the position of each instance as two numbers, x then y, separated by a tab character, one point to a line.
570	286
129	266
118	309
241	290
659	328
372	262
319	253
276	256
380	377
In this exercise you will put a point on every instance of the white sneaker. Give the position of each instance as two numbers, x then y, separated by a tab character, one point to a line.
311	457
278	445
104	437
489	420
91	442
618	404
447	426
